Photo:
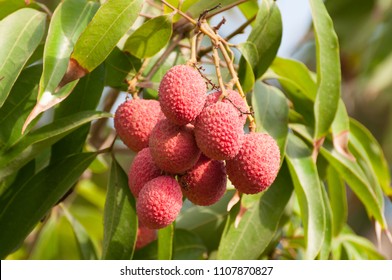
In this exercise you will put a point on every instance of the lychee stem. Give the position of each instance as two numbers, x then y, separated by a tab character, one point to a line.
192	62
218	73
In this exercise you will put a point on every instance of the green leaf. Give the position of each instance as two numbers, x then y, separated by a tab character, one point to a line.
327	244
86	247
20	34
18	105
165	242
68	21
31	145
200	6
120	220
35	197
188	246
361	245
203	220
271	113
249	8
362	140
338	199
85	97
296	73
118	66
259	224
308	189
266	35
352	173
328	69
109	24
248	61
10	6
150	38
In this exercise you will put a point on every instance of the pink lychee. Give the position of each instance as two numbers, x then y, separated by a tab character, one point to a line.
142	170
219	131
182	94
233	98
205	183
134	120
256	165
159	202
173	148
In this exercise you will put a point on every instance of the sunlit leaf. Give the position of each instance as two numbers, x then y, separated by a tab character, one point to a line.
308	189
20	34
266	35
338	199
26	149
328	69
150	38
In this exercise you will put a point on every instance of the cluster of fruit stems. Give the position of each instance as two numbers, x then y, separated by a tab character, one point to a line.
202	27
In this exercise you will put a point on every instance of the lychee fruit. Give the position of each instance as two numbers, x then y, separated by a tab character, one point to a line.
144	236
142	170
182	94
219	131
256	165
159	202
134	120
234	98
173	148
205	183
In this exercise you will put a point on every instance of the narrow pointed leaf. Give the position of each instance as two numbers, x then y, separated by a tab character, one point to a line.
36	196
259	224
31	145
165	243
271	113
338	200
10	6
352	173
248	61
150	38
371	150
328	69
266	34
341	130
18	105
120	220
86	246
307	187
20	34
326	248
109	24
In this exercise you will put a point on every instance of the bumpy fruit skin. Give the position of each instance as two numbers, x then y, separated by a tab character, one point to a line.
256	165
182	94
219	131
142	170
159	202
134	121
205	183
233	98
144	236
173	148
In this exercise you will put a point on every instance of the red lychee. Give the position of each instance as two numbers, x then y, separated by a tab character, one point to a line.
134	120
182	94
173	148
159	202
205	183
144	236
142	170
256	165
219	131
234	98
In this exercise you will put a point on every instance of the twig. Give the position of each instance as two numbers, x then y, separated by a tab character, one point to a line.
228	7
155	5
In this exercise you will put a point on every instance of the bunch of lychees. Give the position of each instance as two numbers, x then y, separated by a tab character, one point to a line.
188	143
